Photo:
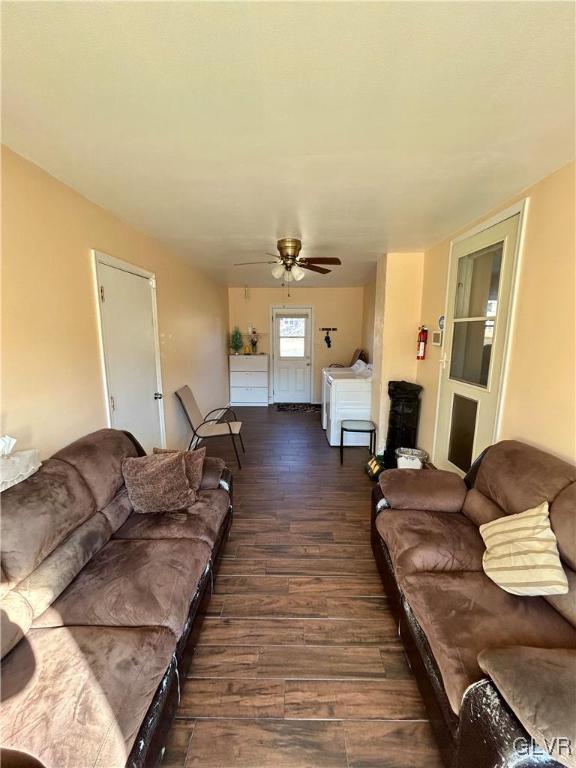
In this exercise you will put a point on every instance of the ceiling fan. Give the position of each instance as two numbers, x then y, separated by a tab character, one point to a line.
290	265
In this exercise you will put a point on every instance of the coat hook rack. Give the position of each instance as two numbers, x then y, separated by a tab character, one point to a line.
327	339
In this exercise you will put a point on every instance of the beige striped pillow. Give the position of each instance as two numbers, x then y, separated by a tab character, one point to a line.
521	554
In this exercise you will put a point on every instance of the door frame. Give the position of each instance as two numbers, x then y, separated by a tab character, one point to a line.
296	308
519	208
101	258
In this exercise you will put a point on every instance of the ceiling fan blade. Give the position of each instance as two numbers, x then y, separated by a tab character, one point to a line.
275	255
322	260
246	263
312	268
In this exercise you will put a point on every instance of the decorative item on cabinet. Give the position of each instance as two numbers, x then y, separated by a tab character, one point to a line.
254	341
236	342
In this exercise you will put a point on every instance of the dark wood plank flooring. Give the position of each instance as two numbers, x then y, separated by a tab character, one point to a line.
298	664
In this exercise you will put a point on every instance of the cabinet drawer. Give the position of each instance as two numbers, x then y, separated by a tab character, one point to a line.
249	379
248	362
249	395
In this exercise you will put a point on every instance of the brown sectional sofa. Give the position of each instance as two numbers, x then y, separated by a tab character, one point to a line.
99	607
429	552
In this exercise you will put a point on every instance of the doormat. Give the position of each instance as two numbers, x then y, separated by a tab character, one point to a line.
299	407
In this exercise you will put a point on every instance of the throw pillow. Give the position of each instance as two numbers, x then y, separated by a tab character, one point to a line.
193	463
522	555
157	483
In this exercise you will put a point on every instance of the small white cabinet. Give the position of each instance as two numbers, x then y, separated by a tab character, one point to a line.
248	379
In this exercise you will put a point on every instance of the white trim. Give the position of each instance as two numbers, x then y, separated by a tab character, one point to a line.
296	308
98	257
125	266
518	259
498	218
519	208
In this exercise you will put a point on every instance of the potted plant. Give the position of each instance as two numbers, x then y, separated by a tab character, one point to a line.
236	342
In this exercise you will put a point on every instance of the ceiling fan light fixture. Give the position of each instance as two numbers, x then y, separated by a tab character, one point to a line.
297	272
288	276
277	271
289	247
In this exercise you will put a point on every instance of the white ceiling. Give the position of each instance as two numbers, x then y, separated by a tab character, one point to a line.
361	127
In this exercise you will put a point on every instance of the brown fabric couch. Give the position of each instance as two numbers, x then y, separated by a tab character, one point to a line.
429	552
100	607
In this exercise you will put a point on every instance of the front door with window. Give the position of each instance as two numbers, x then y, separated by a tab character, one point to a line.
291	368
478	314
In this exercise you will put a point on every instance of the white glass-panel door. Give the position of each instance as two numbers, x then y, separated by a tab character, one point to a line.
292	371
479	301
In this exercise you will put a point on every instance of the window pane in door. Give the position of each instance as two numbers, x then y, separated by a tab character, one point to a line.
291	347
292	326
478	282
471	351
462	430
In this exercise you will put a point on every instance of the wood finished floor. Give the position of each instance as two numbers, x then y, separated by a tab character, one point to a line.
298	664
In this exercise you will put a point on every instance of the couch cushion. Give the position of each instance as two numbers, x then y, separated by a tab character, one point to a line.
566	604
76	696
480	509
202	521
211	473
98	457
517	476
132	583
16	619
539	686
563	522
438	490
38	513
54	574
158	483
521	554
193	464
118	510
463	613
430	541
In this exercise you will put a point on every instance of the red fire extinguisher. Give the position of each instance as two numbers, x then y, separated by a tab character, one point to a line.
422	339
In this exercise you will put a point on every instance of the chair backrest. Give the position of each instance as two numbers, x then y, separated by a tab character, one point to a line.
190	406
359	354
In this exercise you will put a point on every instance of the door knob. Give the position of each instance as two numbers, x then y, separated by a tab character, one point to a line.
158	395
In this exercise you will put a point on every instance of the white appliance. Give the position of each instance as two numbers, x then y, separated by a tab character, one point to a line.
248	379
359	369
348	396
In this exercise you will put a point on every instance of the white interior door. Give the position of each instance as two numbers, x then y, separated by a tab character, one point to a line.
478	314
128	320
292	379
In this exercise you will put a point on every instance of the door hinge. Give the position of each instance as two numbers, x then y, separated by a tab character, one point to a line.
112	403
102	293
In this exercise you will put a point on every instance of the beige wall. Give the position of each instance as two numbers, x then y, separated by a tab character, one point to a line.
52	387
340	308
368	317
539	397
398	301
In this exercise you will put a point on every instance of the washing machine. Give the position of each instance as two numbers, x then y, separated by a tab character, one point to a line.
348	396
359	369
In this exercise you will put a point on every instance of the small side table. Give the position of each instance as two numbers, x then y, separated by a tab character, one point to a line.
357	425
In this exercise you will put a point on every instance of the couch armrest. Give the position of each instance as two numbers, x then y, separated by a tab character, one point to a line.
490	735
211	473
431	489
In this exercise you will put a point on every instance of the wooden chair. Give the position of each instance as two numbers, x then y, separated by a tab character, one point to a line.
203	427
